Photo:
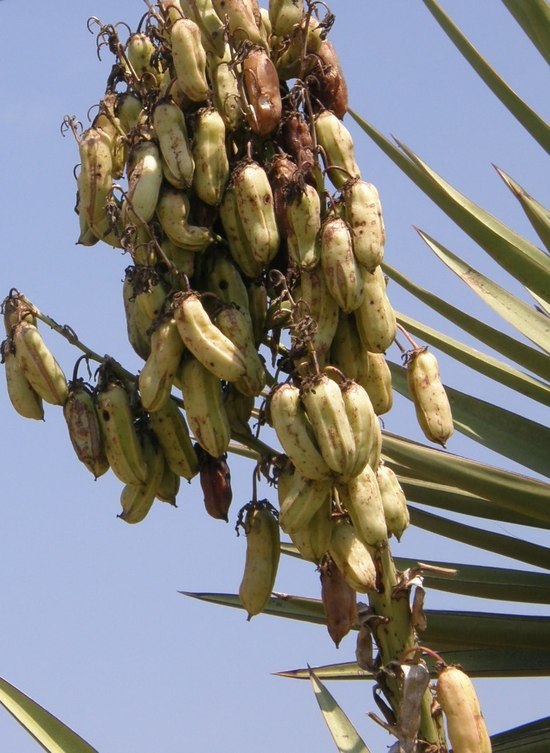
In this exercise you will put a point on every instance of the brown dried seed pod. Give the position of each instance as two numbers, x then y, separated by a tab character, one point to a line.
327	82
80	414
281	171
296	140
339	601
261	83
215	479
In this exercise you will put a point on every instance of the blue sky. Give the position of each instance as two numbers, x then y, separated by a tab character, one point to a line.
92	624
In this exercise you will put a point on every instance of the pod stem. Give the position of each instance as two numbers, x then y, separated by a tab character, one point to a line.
70	335
396	639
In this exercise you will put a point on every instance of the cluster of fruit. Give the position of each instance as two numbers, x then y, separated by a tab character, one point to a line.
253	238
255	290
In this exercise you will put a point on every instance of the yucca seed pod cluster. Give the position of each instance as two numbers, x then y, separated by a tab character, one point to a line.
220	164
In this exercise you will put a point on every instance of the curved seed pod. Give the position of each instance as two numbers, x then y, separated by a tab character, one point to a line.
303	214
225	89
340	267
337	144
300	498
295	433
262	87
16	310
352	557
224	280
122	444
431	403
313	540
175	148
95	180
339	601
262	558
170	428
465	724
173	211
347	352
23	398
328	84
38	365
237	327
206	341
107	121
326	411
137	499
285	15
129	110
174	9
137	321
189	58
288	53
82	421
144	170
238	408
215	479
281	173
156	378
378	383
239	244
265	23
141	53
363	422
361	498
375	316
209	152
322	307
204	407
364	216
169	486
393	501
254	199
212	29
243	18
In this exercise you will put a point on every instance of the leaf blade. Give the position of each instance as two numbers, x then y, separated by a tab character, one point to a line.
529	322
344	734
512	491
506	546
528	357
528	118
499	583
52	734
534	18
537	214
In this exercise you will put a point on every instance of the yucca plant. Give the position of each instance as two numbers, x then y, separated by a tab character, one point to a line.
484	643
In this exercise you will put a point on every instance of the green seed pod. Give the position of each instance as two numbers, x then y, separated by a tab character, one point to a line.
431	403
340	268
210	156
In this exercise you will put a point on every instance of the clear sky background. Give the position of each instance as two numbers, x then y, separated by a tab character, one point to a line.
92	625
